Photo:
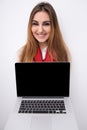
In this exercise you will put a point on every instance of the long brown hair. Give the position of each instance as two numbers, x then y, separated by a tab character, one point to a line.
56	45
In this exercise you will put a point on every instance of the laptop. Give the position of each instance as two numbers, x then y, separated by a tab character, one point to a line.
43	97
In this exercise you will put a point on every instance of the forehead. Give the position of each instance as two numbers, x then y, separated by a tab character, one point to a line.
41	16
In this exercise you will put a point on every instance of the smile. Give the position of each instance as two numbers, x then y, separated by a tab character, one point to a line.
41	35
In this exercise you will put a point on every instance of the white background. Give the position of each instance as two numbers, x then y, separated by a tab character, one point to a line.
72	16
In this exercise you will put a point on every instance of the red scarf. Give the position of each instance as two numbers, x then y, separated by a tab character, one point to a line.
38	56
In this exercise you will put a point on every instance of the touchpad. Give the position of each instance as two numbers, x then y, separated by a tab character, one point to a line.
41	122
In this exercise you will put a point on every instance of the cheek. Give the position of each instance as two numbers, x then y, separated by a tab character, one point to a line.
33	29
49	29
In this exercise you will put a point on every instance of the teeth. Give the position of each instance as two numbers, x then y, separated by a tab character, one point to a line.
41	34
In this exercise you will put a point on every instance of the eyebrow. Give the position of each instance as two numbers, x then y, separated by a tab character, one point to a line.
47	21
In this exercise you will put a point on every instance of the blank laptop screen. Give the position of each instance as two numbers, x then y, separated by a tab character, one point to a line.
42	79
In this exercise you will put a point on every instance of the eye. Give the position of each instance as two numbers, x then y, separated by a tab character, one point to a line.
35	23
46	23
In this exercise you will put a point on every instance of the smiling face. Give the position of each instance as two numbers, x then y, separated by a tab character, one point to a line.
41	26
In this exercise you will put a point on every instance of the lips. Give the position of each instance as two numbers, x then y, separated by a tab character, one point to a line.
41	35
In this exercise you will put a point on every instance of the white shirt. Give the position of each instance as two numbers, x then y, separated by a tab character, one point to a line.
44	52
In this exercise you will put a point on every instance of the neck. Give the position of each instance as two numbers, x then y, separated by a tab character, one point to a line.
42	45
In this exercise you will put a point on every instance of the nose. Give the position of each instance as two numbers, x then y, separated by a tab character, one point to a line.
40	28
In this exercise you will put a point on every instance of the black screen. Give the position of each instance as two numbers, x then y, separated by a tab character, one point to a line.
42	79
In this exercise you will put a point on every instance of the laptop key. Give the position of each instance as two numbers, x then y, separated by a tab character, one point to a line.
40	111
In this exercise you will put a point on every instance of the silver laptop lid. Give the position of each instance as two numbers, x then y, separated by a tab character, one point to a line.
42	79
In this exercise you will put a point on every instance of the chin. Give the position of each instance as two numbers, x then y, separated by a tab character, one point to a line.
42	41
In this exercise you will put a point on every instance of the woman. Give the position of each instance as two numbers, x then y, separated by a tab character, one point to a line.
44	40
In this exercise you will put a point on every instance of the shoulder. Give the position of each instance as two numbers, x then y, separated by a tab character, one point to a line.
18	53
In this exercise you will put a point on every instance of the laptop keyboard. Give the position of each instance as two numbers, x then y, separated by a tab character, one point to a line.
42	106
